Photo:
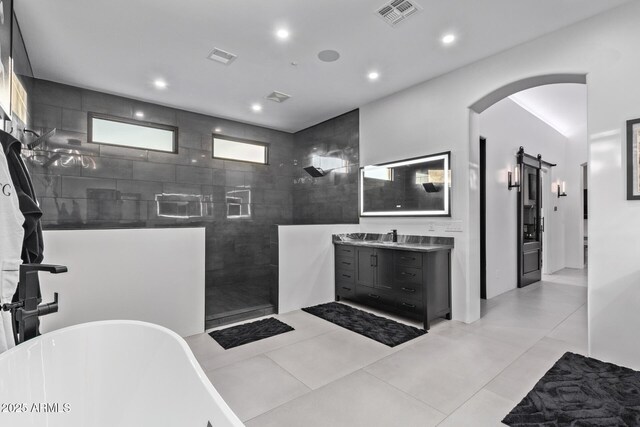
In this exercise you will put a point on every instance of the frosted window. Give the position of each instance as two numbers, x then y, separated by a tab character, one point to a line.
374	172
242	151
126	134
326	163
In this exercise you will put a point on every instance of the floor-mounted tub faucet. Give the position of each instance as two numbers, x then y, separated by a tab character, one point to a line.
27	309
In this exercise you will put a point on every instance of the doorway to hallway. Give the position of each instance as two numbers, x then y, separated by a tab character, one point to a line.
504	127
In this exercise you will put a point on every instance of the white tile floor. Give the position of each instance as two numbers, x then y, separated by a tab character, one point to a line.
456	375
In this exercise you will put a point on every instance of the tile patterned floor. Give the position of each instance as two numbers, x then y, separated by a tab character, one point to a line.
456	375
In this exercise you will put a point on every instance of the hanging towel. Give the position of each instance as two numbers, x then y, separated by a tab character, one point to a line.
9	274
32	245
12	232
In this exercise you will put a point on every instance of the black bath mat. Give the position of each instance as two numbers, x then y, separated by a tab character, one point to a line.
249	332
383	330
581	391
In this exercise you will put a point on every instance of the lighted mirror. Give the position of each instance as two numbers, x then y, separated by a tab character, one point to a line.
104	129
412	187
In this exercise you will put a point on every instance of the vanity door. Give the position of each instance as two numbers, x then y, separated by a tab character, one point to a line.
365	267
384	269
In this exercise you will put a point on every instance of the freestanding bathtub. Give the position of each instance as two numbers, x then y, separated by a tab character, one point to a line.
111	374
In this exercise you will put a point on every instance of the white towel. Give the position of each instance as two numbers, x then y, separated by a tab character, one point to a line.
8	281
12	234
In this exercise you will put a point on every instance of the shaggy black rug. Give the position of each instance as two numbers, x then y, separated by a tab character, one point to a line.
581	391
249	332
383	330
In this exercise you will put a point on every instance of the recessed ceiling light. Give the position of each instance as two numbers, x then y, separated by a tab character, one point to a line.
139	114
256	107
282	33
160	84
448	38
373	75
217	130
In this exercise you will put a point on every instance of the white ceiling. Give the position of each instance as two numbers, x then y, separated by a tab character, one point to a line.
561	106
121	46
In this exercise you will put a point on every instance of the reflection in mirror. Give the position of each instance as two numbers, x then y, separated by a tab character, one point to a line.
414	187
239	204
179	205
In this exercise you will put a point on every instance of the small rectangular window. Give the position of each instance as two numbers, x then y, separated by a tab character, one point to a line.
240	150
104	129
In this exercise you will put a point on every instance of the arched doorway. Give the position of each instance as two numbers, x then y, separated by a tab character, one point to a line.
476	109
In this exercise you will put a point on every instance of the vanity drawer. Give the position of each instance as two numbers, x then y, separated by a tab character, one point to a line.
408	275
409	259
375	297
409	307
409	291
344	251
346	276
345	264
345	290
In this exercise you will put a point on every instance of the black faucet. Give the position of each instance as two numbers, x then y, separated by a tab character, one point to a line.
394	235
27	309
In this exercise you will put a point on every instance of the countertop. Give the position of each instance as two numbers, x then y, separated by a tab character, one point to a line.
405	243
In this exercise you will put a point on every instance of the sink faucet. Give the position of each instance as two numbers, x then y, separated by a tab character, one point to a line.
394	235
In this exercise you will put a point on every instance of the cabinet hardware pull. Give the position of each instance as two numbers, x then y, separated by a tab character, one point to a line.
409	290
345	288
374	296
347	276
408	305
404	273
347	263
406	257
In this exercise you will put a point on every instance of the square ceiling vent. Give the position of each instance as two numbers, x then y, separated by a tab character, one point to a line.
222	56
278	97
397	11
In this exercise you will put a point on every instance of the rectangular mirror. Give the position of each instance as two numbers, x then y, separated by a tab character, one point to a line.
412	187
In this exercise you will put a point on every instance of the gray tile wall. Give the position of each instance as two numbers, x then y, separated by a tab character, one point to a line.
331	199
101	186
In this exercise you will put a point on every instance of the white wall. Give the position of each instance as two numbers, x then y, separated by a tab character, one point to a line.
153	275
574	230
507	126
434	116
306	264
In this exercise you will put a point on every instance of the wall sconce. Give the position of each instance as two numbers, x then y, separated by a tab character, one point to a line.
562	189
514	178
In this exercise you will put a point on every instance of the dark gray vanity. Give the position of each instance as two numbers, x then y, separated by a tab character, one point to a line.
410	277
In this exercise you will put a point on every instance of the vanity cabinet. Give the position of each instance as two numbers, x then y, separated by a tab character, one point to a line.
409	283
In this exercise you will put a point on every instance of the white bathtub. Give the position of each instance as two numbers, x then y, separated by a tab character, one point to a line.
111	374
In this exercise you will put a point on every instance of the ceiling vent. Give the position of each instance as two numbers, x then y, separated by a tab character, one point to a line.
278	97
397	11
222	56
